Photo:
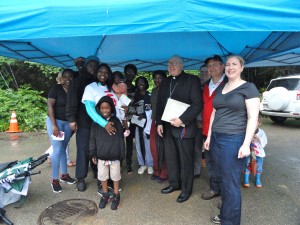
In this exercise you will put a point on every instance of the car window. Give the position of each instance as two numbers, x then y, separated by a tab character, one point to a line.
289	84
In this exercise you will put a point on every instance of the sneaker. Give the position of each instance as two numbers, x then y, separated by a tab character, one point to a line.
142	169
150	170
129	170
56	186
209	194
110	191
65	178
104	200
115	201
81	186
216	219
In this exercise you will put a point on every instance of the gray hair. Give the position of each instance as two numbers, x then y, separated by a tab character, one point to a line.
179	58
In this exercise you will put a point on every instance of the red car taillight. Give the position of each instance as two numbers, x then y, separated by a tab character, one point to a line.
298	95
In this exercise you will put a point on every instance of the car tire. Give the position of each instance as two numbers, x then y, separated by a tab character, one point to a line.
277	119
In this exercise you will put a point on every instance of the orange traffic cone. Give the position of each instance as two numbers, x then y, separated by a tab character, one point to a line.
13	127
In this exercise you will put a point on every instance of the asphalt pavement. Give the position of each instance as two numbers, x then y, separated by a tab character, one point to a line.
277	203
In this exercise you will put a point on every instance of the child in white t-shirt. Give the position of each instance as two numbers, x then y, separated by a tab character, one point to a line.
259	141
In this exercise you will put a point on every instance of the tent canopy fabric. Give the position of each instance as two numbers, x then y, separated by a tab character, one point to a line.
148	32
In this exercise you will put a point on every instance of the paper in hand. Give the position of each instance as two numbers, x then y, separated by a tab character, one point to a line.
60	137
135	120
174	109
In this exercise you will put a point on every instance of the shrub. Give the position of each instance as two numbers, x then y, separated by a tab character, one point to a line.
30	107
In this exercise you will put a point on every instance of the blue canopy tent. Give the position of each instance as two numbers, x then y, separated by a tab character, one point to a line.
147	32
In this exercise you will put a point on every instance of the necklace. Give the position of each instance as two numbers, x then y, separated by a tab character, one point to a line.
171	91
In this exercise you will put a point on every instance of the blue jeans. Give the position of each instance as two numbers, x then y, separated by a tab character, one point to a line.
148	156
259	164
59	157
214	180
224	149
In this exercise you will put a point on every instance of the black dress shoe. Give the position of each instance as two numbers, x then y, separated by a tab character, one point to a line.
183	197
169	189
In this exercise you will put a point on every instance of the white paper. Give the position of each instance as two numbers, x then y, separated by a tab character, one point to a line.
60	137
174	109
124	100
135	120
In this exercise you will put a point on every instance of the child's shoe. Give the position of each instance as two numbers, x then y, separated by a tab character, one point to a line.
246	179
115	201
257	180
104	200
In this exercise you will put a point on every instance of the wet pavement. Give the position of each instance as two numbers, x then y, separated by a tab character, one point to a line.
277	203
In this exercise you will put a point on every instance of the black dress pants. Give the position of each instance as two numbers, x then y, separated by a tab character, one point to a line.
180	162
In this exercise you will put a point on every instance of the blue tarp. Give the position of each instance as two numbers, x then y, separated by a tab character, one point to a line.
148	32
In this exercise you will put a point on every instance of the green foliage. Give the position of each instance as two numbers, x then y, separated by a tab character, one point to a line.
30	107
15	73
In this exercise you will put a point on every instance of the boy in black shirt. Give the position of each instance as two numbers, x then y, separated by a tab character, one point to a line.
107	151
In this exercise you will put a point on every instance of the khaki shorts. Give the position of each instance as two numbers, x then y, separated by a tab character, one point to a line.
114	170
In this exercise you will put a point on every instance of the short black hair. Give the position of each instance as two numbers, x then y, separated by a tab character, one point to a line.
215	58
117	73
130	66
159	72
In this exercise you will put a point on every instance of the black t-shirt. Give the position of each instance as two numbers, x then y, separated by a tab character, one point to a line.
142	104
58	93
231	111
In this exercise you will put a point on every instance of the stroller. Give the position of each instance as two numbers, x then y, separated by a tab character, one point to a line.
15	180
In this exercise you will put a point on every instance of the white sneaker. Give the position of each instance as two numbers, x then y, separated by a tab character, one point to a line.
150	170
142	169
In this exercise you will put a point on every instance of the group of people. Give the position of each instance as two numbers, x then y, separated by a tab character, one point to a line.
221	117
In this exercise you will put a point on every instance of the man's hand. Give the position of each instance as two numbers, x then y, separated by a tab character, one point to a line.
176	122
110	128
94	159
160	130
199	124
73	126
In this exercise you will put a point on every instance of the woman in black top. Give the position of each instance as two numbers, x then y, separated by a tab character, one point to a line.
58	127
232	125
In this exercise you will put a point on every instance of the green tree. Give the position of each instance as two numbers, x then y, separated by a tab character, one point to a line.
30	107
15	73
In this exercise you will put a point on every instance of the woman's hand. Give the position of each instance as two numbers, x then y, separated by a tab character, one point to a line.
55	130
206	144
125	108
244	151
109	127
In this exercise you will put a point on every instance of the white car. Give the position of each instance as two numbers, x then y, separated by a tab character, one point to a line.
281	100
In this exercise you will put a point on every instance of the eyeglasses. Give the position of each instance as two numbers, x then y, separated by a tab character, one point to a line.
173	63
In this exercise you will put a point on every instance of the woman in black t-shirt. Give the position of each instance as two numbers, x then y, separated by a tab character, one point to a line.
59	130
232	125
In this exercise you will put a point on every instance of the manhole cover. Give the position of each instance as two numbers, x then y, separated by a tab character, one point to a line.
68	212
